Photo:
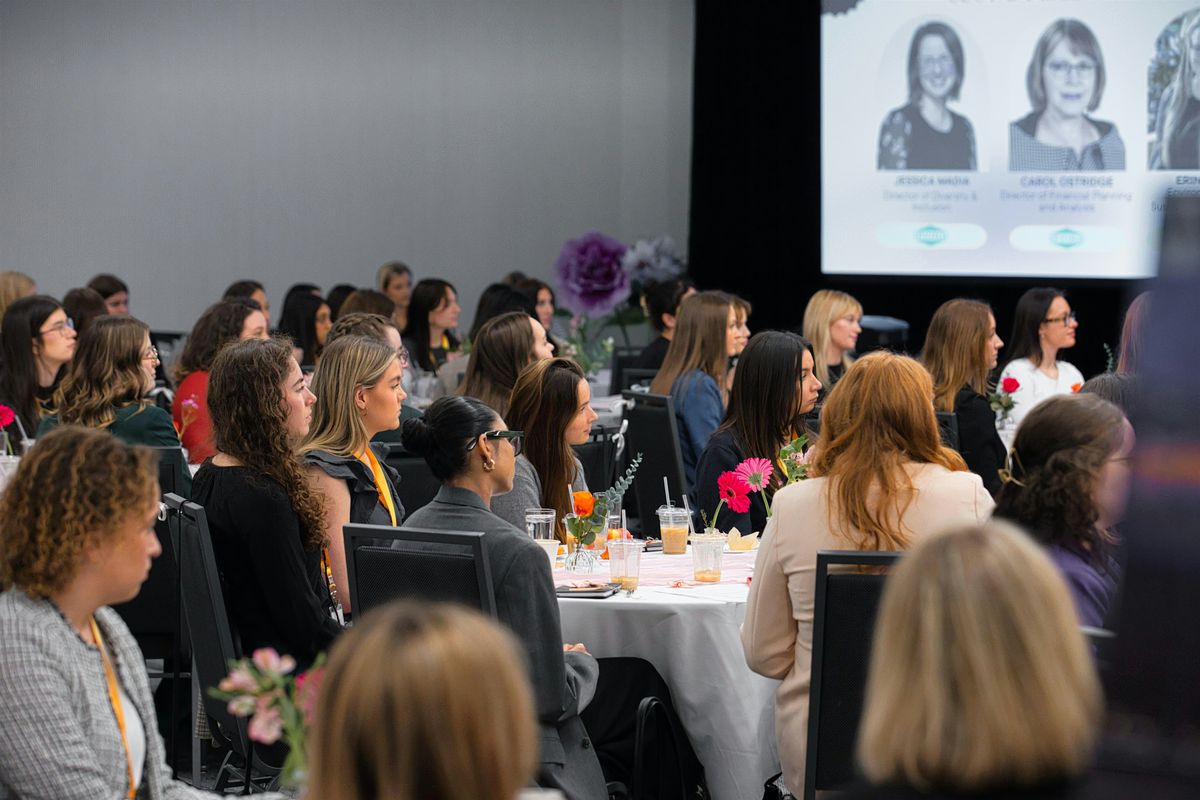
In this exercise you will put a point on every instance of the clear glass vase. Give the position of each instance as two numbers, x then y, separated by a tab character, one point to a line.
580	560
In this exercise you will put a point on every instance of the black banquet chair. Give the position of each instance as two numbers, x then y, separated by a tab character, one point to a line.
652	433
417	485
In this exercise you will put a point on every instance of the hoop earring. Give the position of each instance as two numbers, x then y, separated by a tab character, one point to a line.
489	465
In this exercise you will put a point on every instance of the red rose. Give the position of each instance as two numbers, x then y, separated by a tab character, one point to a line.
6	416
1009	385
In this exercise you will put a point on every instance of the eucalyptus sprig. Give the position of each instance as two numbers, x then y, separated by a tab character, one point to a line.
588	521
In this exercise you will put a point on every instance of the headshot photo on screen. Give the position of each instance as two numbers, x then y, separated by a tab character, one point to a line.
1174	96
924	134
1065	81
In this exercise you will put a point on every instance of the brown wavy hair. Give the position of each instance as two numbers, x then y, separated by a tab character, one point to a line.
543	403
245	402
1060	448
701	325
74	489
220	324
878	418
105	374
957	350
501	349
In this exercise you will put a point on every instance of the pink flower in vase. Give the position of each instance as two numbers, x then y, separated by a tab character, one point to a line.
270	662
756	472
734	491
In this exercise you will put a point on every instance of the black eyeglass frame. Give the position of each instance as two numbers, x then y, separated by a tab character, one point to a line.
514	438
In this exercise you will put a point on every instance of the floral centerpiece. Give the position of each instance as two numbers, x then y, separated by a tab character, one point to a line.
792	460
1001	400
597	275
590	516
279	706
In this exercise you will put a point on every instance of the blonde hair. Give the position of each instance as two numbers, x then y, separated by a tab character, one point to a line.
979	675
346	364
14	285
401	714
878	418
701	327
105	374
823	309
956	350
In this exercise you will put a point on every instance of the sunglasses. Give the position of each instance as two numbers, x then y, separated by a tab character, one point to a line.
514	438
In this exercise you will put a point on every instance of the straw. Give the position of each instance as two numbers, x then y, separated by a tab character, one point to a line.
667	492
624	524
688	509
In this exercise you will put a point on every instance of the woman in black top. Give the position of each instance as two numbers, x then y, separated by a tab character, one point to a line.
661	301
961	348
925	134
38	342
432	318
267	522
775	386
307	320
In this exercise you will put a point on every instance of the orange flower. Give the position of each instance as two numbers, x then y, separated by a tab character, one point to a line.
585	502
1075	387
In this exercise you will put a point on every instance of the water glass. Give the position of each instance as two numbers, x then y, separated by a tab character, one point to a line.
539	523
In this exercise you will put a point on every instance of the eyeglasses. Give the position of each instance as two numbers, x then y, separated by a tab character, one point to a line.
514	438
1061	69
151	354
59	327
1065	319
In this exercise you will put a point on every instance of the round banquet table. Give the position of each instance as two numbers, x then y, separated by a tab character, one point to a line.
690	632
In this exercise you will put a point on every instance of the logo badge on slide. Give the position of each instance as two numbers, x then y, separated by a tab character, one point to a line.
927	236
1066	238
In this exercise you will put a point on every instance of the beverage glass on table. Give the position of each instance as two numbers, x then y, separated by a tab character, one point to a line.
625	562
706	557
550	546
539	523
673	523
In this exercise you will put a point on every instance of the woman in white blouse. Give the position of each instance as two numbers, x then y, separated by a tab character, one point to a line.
1044	325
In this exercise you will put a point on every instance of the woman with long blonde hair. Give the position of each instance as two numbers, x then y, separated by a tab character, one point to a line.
961	348
106	383
450	741
707	335
979	677
359	394
881	480
831	323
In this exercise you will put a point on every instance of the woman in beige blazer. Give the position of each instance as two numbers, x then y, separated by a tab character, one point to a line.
882	480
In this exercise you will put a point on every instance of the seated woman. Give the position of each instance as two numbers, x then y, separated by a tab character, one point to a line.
83	305
221	323
106	383
961	348
307	320
395	280
13	286
661	302
266	520
1068	487
496	300
114	291
543	299
927	729
73	685
38	343
551	404
773	389
501	349
381	329
693	374
881	481
249	289
432	318
365	301
1043	326
831	323
432	653
358	393
469	450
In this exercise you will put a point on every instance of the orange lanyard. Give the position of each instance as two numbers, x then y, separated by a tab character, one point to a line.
114	697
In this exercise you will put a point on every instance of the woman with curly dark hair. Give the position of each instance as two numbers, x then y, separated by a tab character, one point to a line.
222	323
267	522
1067	485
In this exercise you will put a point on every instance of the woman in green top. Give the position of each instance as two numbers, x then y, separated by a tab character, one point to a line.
106	383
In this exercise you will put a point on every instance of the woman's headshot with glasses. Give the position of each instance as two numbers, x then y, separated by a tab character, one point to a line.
1065	81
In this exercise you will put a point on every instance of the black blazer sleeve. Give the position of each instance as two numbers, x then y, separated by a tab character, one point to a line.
978	442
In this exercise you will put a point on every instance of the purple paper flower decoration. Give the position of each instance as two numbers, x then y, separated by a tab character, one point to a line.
591	279
653	260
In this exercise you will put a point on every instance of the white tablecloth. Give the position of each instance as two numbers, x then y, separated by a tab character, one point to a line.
691	635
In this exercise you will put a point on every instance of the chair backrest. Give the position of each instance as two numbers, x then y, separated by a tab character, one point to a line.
633	377
948	428
844	610
384	563
213	640
598	455
154	616
652	433
172	471
622	358
417	485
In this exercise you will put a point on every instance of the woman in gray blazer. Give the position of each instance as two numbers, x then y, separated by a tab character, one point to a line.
468	449
76	717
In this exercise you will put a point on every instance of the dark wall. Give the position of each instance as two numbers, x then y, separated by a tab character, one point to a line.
756	188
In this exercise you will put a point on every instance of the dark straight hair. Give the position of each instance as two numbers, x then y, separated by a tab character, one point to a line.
299	321
1031	313
764	407
22	323
428	295
442	434
497	299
